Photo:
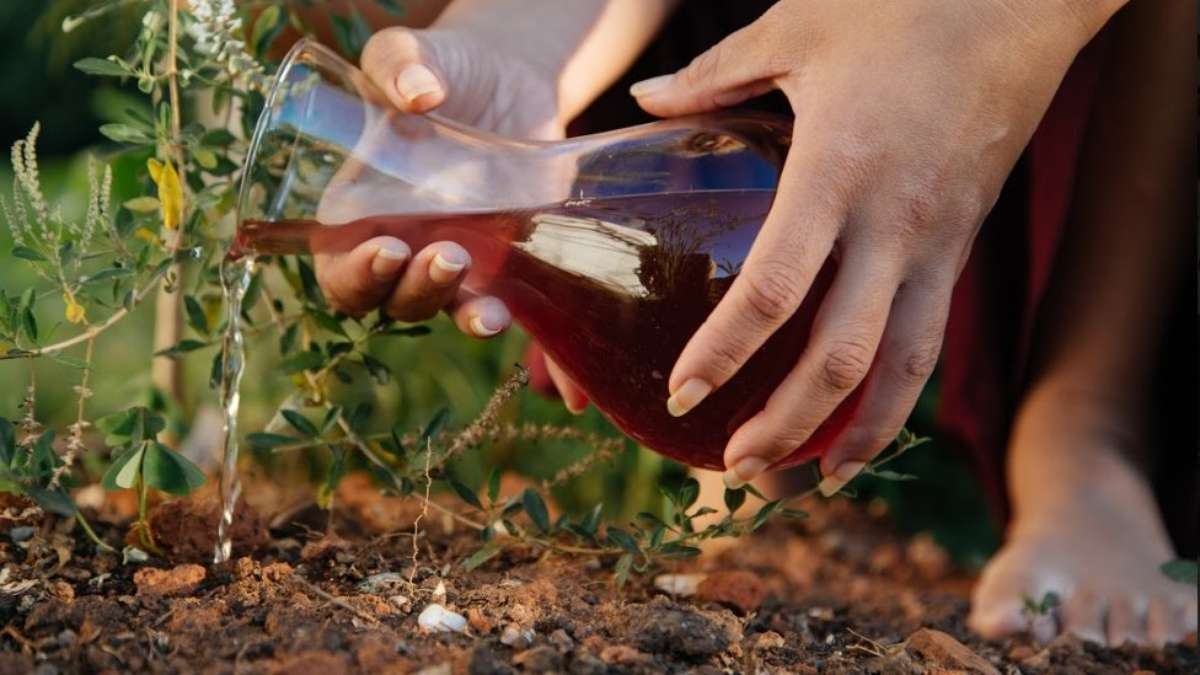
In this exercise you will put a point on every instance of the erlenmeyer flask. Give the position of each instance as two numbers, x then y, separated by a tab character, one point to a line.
610	249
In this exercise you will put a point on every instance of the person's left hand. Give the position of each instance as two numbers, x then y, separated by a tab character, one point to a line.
909	116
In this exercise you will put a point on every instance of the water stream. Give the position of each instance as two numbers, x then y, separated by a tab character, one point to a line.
235	279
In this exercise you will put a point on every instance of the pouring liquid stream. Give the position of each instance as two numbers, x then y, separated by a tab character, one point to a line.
235	279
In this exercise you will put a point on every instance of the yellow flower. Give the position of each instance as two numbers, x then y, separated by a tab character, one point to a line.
170	192
75	311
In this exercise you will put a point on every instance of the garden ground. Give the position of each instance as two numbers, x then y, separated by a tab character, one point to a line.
839	592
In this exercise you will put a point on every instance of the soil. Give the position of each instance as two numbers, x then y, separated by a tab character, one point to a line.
839	592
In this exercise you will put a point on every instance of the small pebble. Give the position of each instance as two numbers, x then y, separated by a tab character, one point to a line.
679	585
20	534
516	637
438	619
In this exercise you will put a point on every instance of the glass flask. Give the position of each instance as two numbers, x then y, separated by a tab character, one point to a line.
609	249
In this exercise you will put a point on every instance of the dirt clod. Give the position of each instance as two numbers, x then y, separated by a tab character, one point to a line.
179	580
186	529
940	650
736	589
662	627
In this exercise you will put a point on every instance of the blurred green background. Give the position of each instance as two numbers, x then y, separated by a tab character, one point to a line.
443	369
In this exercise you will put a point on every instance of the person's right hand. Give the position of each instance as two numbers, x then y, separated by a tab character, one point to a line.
470	79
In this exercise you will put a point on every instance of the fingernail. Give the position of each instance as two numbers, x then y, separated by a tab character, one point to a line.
647	87
575	409
481	329
844	473
445	268
743	471
415	80
688	396
389	258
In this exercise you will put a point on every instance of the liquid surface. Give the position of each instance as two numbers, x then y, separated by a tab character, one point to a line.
612	288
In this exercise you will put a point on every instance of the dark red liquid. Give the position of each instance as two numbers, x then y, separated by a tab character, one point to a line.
612	288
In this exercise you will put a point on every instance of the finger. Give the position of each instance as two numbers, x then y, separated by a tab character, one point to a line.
1083	615
572	396
908	353
430	282
735	69
1126	621
835	361
405	68
358	280
480	316
787	254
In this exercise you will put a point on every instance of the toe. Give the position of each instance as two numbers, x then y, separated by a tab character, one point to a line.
1083	615
1126	621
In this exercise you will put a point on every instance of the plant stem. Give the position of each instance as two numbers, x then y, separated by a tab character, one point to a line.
88	334
167	373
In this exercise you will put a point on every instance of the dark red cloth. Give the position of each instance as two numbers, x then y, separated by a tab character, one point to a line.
997	296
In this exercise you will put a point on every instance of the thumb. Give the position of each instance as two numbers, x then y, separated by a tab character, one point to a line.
405	67
727	74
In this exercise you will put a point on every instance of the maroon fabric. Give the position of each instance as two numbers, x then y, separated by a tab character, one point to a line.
997	297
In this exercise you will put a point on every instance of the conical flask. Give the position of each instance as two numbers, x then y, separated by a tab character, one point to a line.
609	249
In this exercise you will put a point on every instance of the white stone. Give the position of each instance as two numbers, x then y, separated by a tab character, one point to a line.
438	619
679	585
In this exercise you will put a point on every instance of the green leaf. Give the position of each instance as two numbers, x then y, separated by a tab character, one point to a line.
43	458
267	26
301	423
206	158
734	499
169	471
55	501
621	569
308	281
1182	570
333	476
287	341
351	33
378	369
264	440
328	322
118	427
108	273
765	513
484	554
195	315
123	472
536	508
465	493
102	67
689	492
218	138
26	253
123	133
677	550
434	426
182	347
408	331
623	539
493	485
301	361
145	204
8	442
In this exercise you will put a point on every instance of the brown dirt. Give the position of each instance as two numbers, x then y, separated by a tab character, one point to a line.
840	592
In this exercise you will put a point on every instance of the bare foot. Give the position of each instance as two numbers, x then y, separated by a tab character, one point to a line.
1086	528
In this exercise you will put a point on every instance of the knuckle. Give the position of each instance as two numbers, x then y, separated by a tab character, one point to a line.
703	69
921	360
845	364
772	294
724	358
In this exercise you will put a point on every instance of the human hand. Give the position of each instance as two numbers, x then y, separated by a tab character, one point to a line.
909	116
465	77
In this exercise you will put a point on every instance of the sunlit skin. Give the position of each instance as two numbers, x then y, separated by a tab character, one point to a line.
912	115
